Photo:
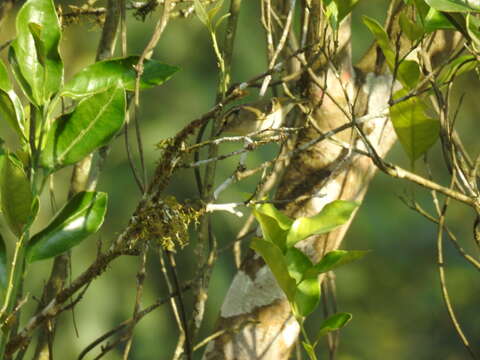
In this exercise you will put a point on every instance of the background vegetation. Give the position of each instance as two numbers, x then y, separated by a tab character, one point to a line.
393	293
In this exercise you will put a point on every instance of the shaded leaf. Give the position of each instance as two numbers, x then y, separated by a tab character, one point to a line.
275	260
416	131
80	217
103	75
332	215
333	260
38	61
333	323
307	294
92	124
16	194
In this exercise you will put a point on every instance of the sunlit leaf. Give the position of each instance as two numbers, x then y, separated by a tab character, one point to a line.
416	131
92	124
276	261
35	50
435	20
454	5
333	323
80	217
16	194
382	39
333	260
274	224
102	75
307	294
332	215
473	28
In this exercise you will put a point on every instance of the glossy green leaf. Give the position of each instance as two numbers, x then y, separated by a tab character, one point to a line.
454	5
35	50
458	66
276	261
16	194
435	20
3	264
307	294
92	124
274	224
80	217
333	260
411	29
103	75
332	215
334	323
416	131
11	109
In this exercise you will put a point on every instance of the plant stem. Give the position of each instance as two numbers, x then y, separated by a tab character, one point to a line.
14	281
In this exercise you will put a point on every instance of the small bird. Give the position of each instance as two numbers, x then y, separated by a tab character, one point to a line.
261	115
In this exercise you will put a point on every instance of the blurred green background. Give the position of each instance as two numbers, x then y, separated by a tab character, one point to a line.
393	293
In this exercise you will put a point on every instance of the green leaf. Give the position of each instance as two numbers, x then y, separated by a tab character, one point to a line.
333	260
332	215
214	10
35	50
458	66
307	294
5	83
201	12
416	131
408	73
453	5
274	224
11	108
473	28
103	75
3	264
333	323
412	30
16	194
382	39
435	20
92	124
275	260
80	217
310	350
